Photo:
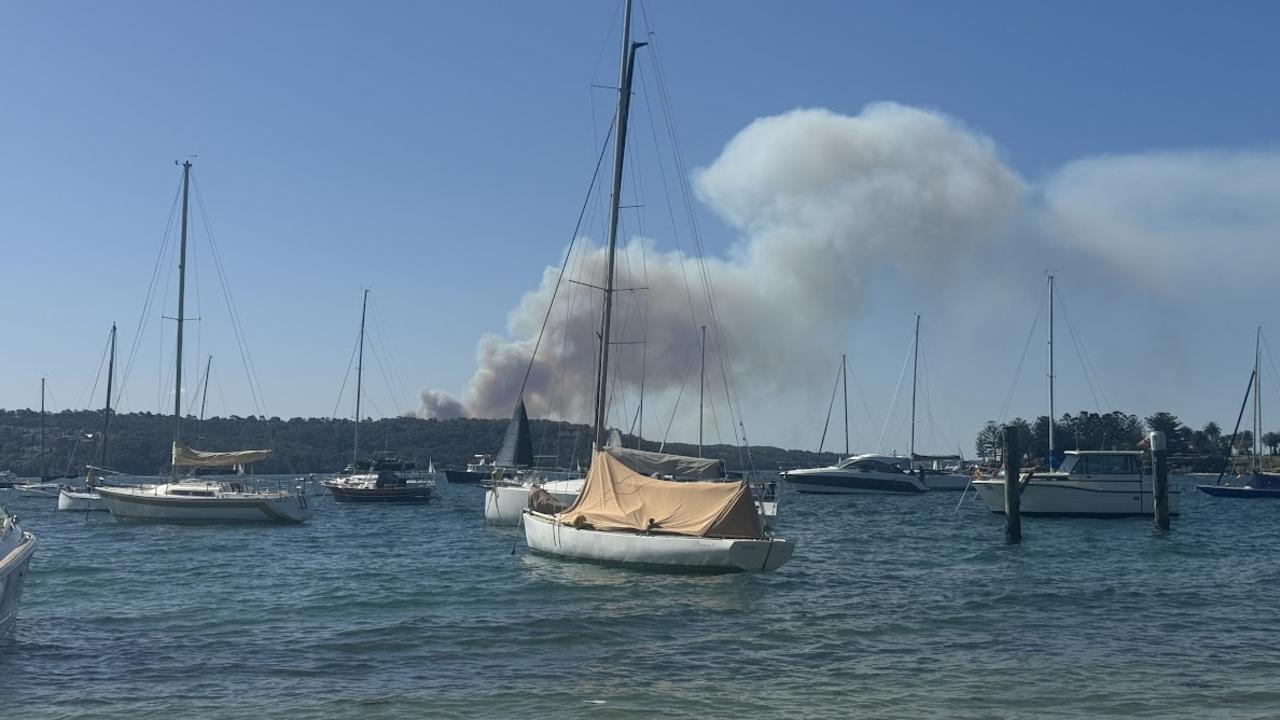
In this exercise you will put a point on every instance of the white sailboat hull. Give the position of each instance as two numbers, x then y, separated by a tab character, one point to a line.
16	549
946	481
547	537
149	504
503	504
1078	497
78	501
47	489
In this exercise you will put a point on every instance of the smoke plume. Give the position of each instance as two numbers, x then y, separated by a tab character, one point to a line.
821	203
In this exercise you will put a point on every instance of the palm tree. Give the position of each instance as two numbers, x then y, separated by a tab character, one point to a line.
1272	441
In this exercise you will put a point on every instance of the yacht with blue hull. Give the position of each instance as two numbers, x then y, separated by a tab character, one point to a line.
1089	483
1253	485
859	474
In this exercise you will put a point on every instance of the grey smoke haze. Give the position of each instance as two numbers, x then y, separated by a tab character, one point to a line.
1168	218
821	201
824	203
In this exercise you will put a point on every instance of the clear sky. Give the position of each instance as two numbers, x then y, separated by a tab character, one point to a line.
438	153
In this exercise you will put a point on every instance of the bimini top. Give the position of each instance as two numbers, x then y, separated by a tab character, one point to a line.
617	498
184	456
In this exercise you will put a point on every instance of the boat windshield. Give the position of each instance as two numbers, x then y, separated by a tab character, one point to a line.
887	465
1068	463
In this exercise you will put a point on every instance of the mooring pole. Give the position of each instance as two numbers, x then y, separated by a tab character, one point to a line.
1012	486
1159	480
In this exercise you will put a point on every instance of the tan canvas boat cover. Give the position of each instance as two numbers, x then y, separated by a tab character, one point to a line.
186	457
615	497
680	467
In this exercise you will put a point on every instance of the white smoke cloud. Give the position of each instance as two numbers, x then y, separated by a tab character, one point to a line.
823	202
1170	218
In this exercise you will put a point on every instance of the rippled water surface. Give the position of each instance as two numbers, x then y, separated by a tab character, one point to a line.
892	607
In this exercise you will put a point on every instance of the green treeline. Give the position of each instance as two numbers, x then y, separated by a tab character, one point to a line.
139	443
1195	450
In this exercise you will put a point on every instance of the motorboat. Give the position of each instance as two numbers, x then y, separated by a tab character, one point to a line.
16	548
1088	483
382	486
869	473
480	469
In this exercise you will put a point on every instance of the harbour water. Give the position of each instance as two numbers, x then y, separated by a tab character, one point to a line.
893	607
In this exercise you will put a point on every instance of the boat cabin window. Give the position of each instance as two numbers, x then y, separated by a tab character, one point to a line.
192	493
1107	465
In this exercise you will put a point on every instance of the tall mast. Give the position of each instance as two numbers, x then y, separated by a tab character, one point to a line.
204	395
42	468
915	373
702	387
1051	372
182	298
355	445
844	382
1257	399
644	352
627	64
106	415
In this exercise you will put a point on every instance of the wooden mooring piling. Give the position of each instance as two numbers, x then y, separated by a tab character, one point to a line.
1012	486
1159	481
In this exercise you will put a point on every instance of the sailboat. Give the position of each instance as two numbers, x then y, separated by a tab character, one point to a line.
16	548
86	498
211	499
623	516
1080	483
937	471
374	481
508	493
46	484
858	474
1255	483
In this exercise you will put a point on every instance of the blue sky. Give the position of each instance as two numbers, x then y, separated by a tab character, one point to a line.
438	153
